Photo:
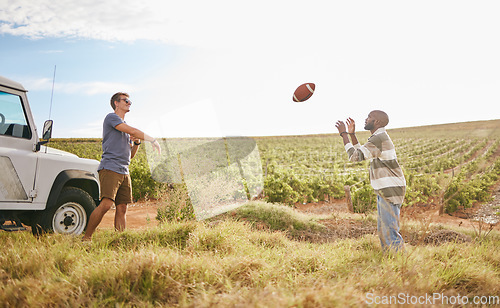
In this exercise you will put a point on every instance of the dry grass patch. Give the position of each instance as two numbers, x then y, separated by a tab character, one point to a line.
229	262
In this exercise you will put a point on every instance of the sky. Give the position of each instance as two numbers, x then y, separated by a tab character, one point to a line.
229	68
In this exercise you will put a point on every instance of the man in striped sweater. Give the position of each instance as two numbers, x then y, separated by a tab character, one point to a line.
386	176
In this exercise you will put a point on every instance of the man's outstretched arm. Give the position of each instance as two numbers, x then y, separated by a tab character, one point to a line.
354	152
137	133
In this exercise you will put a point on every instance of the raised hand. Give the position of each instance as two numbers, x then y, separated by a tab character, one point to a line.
351	126
340	126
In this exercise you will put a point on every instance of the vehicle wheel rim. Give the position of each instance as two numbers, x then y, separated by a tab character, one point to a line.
70	218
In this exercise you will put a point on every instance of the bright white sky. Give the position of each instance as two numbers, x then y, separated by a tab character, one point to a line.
226	68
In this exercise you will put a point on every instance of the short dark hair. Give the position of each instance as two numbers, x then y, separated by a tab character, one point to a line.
116	97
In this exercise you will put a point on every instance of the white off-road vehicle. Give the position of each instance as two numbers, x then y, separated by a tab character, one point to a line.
47	189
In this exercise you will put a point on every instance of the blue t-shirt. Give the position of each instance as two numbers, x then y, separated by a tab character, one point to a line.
115	146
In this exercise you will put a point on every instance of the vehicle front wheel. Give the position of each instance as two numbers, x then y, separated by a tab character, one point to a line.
69	215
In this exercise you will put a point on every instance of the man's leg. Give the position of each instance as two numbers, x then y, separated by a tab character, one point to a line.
388	225
380	232
123	198
96	217
120	219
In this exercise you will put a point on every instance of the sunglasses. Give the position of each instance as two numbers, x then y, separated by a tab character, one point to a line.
126	100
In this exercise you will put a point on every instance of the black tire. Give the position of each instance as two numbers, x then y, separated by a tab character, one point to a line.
70	214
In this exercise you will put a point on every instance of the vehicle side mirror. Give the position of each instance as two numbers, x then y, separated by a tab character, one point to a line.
46	134
47	130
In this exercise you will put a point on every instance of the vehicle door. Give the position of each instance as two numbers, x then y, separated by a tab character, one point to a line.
17	156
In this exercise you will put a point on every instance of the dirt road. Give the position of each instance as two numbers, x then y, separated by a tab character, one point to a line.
139	216
143	214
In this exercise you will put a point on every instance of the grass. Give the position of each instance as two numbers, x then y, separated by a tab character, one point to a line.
229	262
276	217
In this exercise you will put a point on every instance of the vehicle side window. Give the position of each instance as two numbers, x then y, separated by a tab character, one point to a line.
13	120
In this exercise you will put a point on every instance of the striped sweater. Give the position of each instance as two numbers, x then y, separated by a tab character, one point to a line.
386	176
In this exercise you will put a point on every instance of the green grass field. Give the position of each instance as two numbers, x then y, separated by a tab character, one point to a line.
456	164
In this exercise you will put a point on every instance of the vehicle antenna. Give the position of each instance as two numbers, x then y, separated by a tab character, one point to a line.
52	94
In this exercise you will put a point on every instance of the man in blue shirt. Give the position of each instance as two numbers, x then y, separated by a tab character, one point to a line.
120	143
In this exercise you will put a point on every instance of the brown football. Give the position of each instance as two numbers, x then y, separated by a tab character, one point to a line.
303	92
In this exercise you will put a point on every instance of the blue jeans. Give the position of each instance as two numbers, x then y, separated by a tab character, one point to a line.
388	225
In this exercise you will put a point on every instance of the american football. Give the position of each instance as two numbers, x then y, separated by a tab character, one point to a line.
303	92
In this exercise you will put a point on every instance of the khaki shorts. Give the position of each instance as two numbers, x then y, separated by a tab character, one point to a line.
115	186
